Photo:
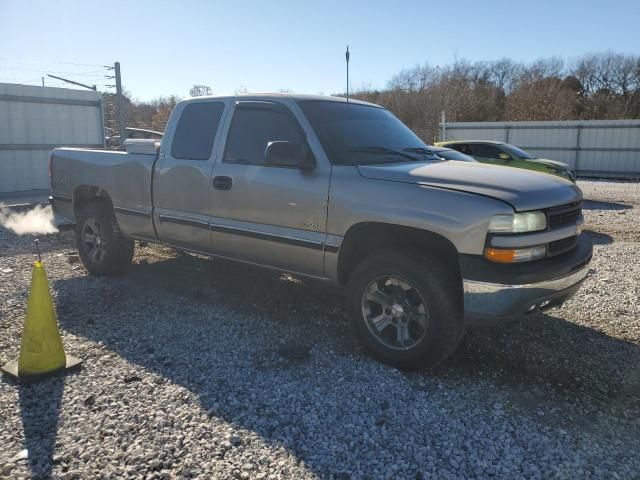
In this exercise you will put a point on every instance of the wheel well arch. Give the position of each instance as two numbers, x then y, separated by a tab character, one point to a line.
365	238
83	195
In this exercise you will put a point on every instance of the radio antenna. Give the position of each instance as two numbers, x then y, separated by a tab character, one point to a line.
346	56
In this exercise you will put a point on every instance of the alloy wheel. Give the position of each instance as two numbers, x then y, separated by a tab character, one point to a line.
93	241
395	312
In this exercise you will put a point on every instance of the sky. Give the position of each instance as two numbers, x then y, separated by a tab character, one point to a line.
166	47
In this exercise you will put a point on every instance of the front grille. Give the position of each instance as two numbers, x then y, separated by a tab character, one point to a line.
564	215
562	245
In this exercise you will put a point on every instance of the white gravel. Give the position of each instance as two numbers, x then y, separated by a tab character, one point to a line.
188	373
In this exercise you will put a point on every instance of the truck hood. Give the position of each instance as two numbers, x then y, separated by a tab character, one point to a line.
522	189
551	163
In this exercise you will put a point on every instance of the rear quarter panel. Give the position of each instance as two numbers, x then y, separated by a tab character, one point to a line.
124	177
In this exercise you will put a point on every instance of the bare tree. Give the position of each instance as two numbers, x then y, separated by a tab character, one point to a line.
200	91
505	74
545	99
596	86
610	85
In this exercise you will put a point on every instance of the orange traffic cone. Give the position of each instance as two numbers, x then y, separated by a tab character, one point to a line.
41	351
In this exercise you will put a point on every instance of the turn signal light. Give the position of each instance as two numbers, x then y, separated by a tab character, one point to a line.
514	255
499	255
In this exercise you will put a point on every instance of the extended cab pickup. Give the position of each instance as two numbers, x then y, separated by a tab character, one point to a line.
342	192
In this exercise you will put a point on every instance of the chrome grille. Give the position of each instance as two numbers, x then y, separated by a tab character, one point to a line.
562	245
564	215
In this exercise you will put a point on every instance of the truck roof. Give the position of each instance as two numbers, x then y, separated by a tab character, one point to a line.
271	96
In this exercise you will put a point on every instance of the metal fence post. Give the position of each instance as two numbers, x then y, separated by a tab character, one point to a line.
578	140
122	132
103	133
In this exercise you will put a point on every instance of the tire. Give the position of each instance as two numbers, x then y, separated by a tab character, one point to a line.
111	252
423	324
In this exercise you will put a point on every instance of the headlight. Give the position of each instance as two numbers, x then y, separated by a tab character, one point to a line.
518	222
515	255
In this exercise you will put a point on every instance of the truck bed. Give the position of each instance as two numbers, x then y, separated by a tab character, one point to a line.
126	176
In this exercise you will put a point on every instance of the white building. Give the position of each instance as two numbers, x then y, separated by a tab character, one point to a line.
34	120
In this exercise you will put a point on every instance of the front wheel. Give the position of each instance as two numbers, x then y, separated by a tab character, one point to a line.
101	245
406	308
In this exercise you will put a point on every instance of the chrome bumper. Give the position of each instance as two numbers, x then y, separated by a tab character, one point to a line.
490	302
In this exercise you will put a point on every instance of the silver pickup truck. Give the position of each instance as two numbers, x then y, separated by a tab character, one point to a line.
342	192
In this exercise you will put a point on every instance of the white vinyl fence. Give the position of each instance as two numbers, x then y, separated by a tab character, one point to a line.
34	120
592	148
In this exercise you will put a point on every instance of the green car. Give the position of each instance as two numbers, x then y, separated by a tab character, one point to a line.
500	153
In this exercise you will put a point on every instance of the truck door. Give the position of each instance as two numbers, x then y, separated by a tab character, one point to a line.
273	216
182	178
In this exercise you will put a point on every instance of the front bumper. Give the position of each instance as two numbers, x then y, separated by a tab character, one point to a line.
489	301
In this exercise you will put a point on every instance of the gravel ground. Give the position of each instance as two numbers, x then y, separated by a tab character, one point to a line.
209	369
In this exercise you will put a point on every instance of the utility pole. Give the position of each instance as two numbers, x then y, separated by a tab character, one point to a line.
119	104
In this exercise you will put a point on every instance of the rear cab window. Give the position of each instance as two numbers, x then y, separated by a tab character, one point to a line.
196	131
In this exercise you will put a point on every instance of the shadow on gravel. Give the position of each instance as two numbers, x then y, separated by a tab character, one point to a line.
552	360
245	289
598	238
599	205
544	361
39	408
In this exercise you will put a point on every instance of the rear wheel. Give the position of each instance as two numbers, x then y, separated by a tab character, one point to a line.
101	245
406	308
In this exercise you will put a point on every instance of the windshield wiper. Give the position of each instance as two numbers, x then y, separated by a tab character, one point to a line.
420	150
384	151
417	149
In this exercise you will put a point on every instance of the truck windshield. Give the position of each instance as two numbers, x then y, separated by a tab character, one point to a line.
354	134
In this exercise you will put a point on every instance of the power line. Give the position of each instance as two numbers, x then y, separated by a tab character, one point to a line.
115	117
110	67
20	79
92	73
50	82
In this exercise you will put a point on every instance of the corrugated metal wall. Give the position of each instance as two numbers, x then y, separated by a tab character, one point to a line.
592	148
33	120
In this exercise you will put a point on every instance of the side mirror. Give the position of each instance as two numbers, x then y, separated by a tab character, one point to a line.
287	154
504	156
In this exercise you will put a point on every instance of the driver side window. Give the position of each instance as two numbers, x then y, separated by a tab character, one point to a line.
462	148
254	126
486	151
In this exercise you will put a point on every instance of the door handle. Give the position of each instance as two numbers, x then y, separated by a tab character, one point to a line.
222	183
